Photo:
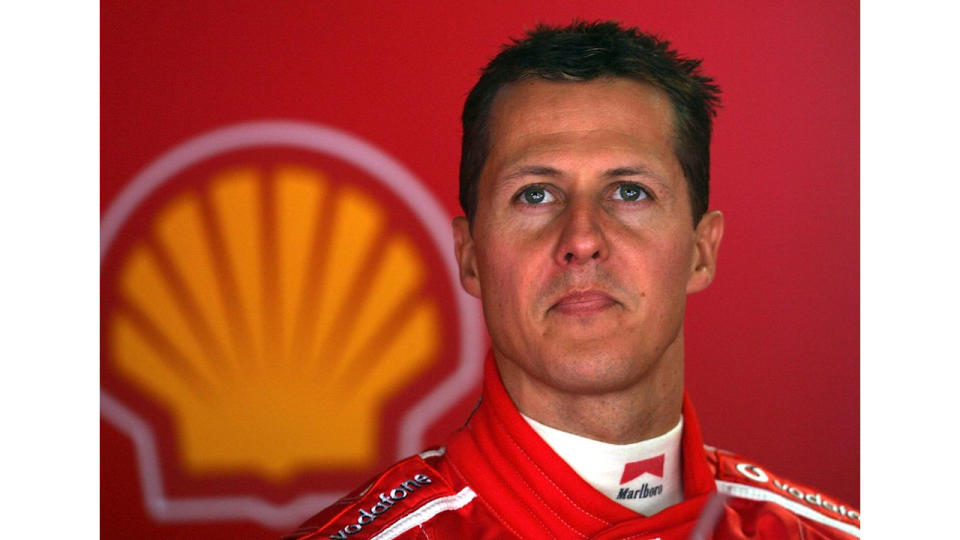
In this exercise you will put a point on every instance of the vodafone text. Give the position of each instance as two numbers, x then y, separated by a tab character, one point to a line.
757	474
386	502
816	499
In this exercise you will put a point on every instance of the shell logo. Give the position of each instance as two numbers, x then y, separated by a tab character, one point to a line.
277	302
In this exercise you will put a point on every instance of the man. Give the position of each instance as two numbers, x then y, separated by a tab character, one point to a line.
584	180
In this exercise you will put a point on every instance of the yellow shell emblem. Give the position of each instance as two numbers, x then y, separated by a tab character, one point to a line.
273	314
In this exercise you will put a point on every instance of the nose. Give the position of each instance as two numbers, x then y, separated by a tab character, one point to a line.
581	238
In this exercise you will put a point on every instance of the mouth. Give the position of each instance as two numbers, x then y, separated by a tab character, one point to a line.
583	303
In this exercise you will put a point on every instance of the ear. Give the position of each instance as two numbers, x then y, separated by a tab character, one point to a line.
708	234
466	256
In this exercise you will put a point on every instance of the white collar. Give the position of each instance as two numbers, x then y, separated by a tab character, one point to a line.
644	476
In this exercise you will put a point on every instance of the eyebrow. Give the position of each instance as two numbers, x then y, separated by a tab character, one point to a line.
533	170
550	172
637	170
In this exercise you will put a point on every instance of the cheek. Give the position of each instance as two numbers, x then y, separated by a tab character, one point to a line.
664	270
508	277
497	274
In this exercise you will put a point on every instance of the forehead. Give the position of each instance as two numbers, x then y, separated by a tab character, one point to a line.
537	117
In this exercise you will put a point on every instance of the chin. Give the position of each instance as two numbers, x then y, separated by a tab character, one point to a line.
593	372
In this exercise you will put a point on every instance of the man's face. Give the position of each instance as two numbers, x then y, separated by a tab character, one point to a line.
583	247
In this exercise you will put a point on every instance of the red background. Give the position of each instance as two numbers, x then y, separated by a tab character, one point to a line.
772	346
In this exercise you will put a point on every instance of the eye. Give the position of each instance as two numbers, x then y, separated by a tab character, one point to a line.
630	192
535	195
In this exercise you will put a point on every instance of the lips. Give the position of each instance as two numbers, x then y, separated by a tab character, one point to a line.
583	303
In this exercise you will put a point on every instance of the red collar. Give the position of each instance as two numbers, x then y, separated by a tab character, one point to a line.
534	491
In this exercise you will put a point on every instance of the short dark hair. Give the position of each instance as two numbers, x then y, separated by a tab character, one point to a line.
583	51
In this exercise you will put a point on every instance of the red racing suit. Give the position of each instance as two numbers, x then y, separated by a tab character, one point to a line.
496	478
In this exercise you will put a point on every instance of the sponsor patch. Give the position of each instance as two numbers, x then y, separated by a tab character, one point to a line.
383	505
393	496
634	470
642	492
803	494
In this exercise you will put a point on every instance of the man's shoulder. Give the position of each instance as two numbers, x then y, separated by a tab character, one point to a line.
401	498
753	488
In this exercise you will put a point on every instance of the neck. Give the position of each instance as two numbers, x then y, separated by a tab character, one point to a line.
645	408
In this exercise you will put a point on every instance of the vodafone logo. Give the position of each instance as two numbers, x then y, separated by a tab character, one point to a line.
809	497
271	291
752	472
384	504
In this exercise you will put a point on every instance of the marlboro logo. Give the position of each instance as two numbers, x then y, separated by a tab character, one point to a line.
634	469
